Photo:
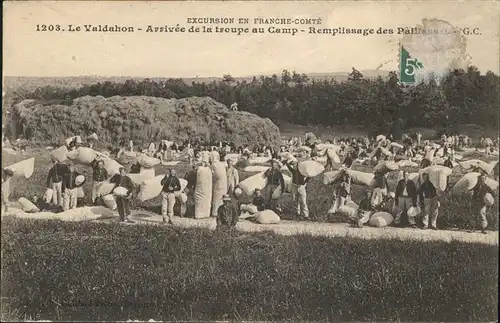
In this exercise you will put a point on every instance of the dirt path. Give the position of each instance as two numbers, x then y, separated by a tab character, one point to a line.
285	227
328	229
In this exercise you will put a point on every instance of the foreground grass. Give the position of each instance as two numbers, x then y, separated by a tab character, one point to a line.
96	271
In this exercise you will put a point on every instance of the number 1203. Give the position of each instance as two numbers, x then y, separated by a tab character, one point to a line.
48	27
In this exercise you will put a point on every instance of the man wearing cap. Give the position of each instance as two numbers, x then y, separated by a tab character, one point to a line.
99	175
479	207
274	179
70	188
54	181
122	202
227	214
171	184
299	193
406	197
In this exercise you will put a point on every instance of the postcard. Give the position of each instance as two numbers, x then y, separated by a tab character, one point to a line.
250	161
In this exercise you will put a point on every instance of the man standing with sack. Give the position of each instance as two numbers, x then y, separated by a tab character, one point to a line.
171	184
406	197
54	181
299	192
233	178
479	207
99	175
69	188
341	193
429	200
122	202
274	179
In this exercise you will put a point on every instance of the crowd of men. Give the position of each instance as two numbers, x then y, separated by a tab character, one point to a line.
64	181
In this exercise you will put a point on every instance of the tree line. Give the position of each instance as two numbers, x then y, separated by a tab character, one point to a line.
463	97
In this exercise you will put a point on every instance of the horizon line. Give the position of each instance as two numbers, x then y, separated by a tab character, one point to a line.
194	77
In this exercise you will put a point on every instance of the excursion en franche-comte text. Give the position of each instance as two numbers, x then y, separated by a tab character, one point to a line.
241	26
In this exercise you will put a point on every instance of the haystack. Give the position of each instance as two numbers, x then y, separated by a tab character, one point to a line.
144	119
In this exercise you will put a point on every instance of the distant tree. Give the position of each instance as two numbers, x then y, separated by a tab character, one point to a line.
228	79
355	75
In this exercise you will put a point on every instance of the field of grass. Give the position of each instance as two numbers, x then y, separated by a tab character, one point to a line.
105	271
97	271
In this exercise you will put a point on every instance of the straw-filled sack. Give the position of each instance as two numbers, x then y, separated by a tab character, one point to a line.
203	192
23	168
381	219
267	217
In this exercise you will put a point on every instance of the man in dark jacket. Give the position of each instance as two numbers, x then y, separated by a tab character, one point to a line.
54	181
171	184
479	207
70	188
122	202
227	214
135	168
348	160
406	197
299	192
190	177
274	179
429	202
99	175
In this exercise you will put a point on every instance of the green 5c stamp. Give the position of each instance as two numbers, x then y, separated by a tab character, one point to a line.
430	51
408	66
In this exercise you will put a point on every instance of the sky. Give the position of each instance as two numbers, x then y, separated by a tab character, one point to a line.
27	52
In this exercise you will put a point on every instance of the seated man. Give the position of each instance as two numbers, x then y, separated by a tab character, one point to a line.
364	212
258	200
258	204
227	214
387	204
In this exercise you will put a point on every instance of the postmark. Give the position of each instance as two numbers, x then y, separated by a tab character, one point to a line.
431	50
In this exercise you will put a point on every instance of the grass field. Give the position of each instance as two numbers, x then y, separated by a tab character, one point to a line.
105	271
95	271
